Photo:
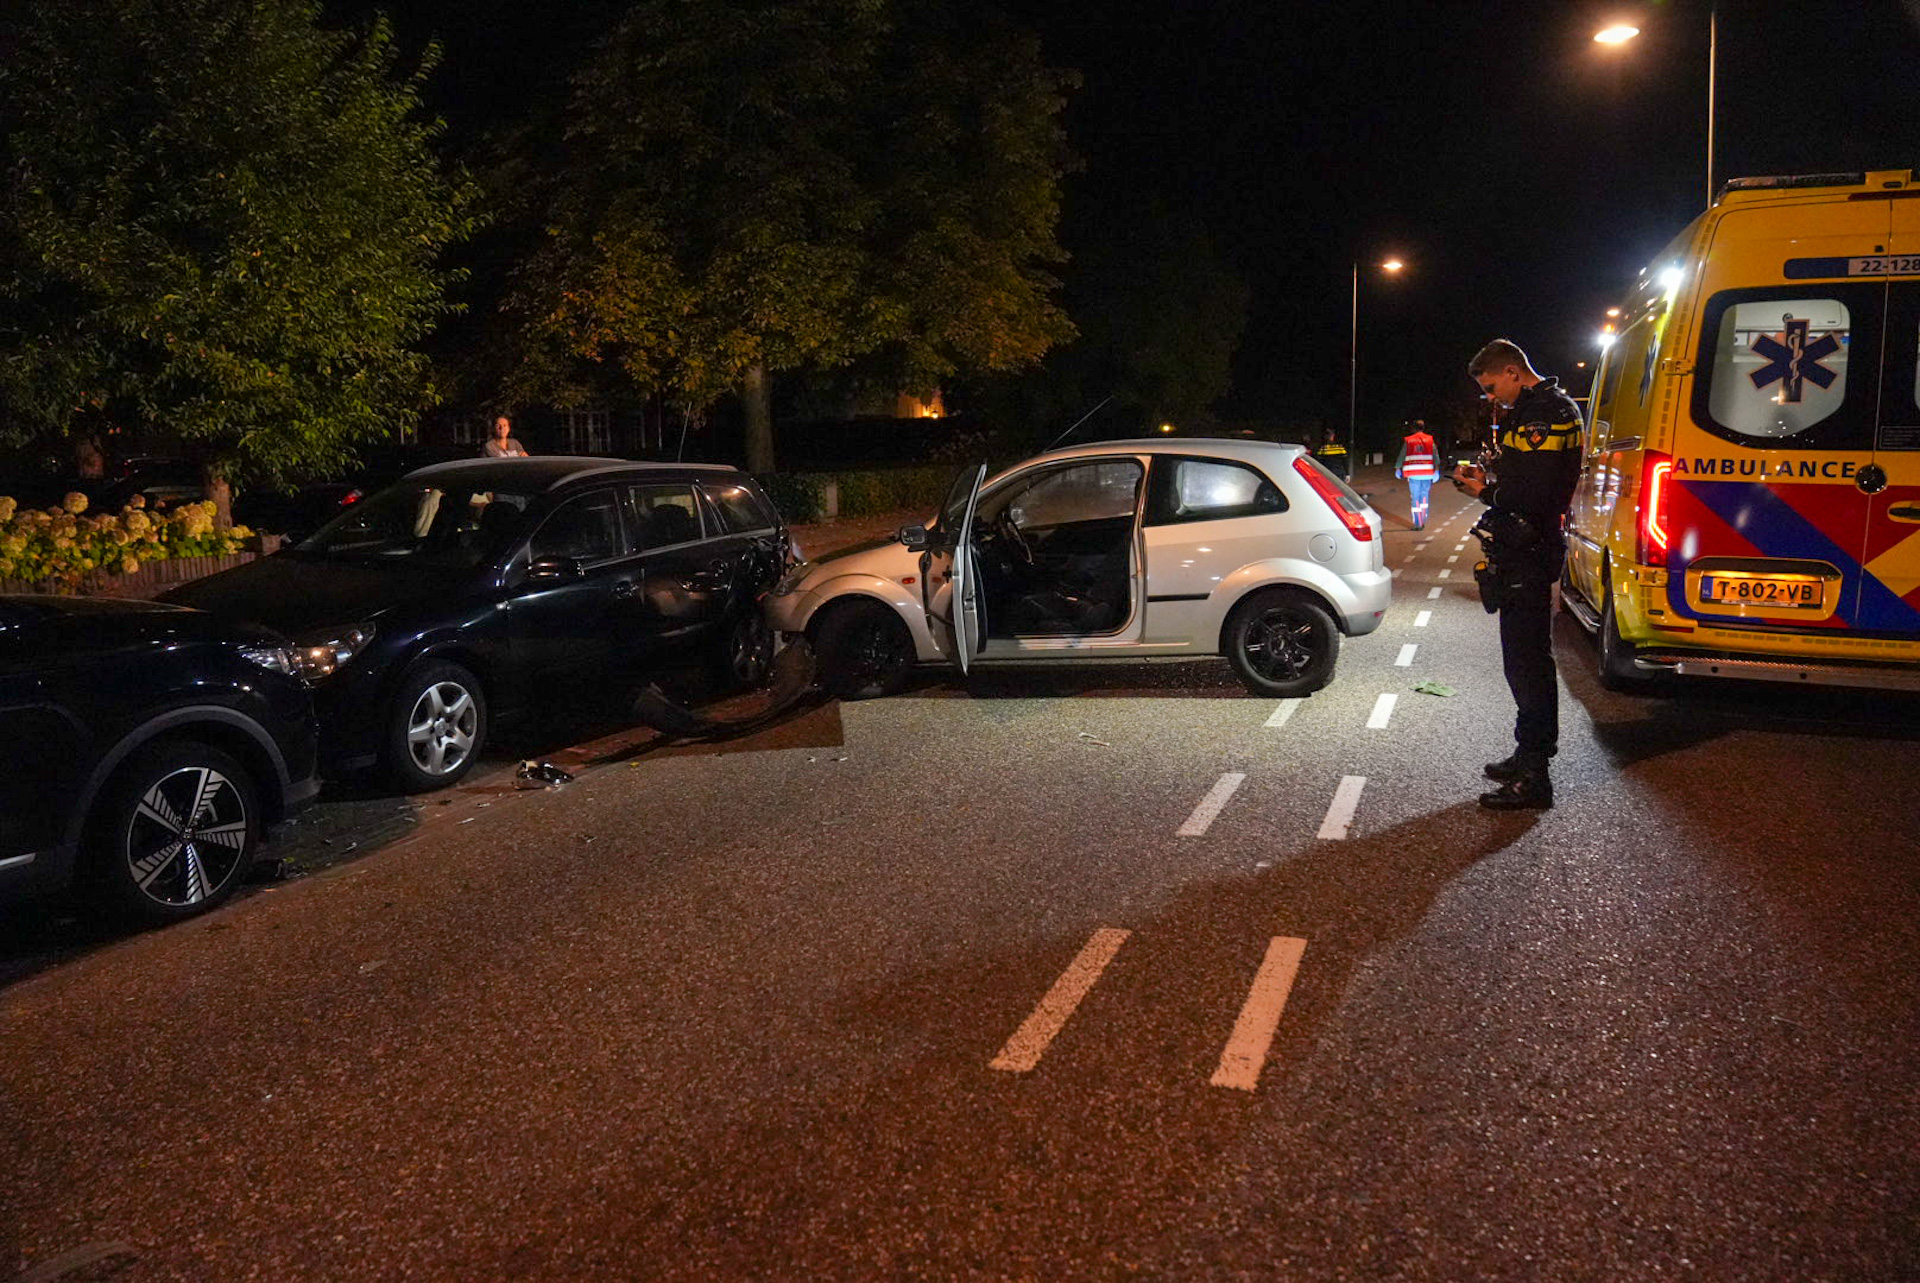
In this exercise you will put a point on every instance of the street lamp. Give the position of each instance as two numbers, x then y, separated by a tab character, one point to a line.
1621	33
1391	267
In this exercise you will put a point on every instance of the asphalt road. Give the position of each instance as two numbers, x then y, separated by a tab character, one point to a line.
1050	974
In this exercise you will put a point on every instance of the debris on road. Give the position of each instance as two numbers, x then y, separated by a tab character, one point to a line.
1092	739
1435	688
540	775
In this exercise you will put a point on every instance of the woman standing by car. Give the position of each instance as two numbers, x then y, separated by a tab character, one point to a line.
503	445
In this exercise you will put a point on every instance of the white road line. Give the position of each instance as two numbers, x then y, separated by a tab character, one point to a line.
1252	1037
1210	805
1037	1032
1382	712
1462	544
1346	800
1405	658
1422	619
1433	594
1283	713
1444	574
1451	560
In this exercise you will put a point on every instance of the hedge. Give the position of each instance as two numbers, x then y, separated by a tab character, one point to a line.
803	496
64	546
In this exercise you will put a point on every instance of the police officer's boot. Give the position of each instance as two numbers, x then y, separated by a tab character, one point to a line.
1531	790
1507	768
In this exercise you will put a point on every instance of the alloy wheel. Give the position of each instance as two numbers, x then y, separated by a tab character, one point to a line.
1279	644
187	837
441	728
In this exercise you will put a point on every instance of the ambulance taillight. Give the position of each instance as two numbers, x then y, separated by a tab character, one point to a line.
1654	482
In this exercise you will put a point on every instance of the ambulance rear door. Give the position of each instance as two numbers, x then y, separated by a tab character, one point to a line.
1892	562
1767	523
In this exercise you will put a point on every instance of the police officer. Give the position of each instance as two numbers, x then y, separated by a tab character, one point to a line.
1535	472
1333	452
1418	464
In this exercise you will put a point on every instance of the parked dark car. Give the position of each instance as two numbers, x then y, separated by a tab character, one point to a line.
298	511
471	589
143	750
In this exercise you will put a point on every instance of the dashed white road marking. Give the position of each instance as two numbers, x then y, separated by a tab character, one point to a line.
1452	559
1405	657
1210	805
1462	544
1283	713
1433	594
1346	800
1037	1032
1422	619
1252	1037
1382	712
1445	574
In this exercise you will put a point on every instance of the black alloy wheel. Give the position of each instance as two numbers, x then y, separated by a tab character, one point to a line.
745	654
864	651
1281	644
174	833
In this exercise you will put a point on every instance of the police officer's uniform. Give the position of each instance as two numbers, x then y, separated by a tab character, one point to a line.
1535	475
1334	454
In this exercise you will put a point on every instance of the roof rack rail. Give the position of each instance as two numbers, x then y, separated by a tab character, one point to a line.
1795	180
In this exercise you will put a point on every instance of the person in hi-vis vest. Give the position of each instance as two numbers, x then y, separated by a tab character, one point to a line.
1418	464
1333	452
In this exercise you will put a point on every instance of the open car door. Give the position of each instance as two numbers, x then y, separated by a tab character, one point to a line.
951	564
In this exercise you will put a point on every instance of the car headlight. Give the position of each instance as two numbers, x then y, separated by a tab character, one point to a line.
281	659
790	582
321	656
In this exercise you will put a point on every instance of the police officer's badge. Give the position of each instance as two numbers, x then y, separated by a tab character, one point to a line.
1536	436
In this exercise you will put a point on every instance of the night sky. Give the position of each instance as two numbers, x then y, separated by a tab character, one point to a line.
1523	172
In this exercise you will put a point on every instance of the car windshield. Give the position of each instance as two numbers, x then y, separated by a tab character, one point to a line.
452	524
954	510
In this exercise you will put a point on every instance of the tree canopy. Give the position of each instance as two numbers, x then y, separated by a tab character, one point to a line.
773	185
221	223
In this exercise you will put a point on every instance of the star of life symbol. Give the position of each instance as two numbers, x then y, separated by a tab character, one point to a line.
1792	360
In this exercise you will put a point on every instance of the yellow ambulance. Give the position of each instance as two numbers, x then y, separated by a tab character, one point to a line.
1749	499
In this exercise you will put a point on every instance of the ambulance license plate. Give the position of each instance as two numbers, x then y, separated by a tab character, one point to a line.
1787	592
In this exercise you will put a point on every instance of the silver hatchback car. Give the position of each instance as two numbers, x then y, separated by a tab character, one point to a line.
1119	550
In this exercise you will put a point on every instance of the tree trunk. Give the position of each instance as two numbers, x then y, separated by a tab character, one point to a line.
89	461
217	489
754	396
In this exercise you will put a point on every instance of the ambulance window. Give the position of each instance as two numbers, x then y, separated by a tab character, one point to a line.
1777	368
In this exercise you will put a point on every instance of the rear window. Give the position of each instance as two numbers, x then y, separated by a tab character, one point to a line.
1209	490
665	515
1775	368
741	510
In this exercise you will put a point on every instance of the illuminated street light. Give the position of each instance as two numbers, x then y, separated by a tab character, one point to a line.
1613	311
1392	267
1621	33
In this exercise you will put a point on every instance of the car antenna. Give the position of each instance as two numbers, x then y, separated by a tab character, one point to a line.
1077	422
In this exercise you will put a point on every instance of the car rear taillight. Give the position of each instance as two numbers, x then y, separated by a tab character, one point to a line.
351	496
1655	478
1345	504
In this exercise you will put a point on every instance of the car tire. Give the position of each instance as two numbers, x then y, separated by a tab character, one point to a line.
744	655
436	726
1282	644
173	833
864	651
1615	656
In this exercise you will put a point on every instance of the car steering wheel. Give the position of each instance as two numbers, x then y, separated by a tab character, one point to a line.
1005	527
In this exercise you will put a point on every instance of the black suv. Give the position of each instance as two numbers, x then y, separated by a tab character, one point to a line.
143	749
470	589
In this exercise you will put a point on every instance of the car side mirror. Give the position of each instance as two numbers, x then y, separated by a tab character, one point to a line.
914	537
549	570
